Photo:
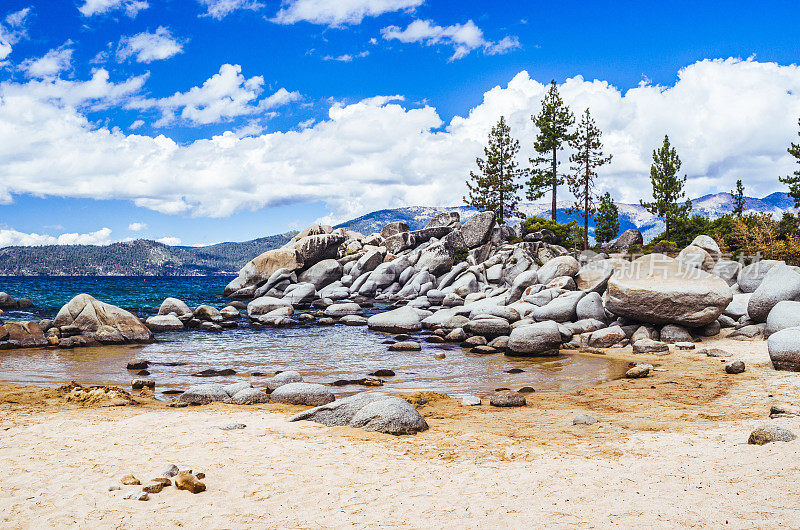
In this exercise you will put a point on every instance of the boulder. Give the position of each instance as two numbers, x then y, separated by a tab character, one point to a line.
207	313
250	396
693	256
784	349
340	310
315	248
605	338
489	327
164	323
507	398
708	244
750	276
448	219
672	333
660	290
7	301
785	314
392	229
266	304
402	320
626	240
28	335
283	378
727	270
734	367
204	394
309	394
779	283
638	372
371	411
322	274
478	229
261	268
594	275
650	346
174	305
560	309
541	338
770	433
560	266
436	259
399	242
103	322
300	294
590	307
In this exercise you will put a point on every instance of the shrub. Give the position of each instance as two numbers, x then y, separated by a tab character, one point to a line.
567	235
460	254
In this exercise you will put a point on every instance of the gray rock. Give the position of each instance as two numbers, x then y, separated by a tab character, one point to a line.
750	332
785	314
784	349
207	313
650	346
541	338
782	410
605	338
750	277
309	394
779	283
266	304
734	367
322	274
402	320
727	270
715	352
250	396
659	290
204	394
708	244
770	433
392	229
174	305
470	401
449	219
637	372
170	471
353	320
478	229
584	419
590	307
340	310
233	388
521	282
409	345
283	378
625	240
507	398
164	323
103	322
594	276
489	327
560	309
232	427
138	384
436	259
672	333
300	294
685	345
399	242
693	256
560	266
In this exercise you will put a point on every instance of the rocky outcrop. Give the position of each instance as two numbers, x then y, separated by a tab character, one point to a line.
626	240
258	271
102	322
780	283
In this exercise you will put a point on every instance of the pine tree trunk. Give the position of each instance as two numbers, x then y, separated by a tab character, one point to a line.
586	214
667	223
555	185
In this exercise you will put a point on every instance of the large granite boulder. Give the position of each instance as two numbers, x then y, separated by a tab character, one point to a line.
478	229
392	229
594	276
309	394
174	305
103	322
283	378
694	256
750	276
318	247
626	240
323	273
727	270
784	349
164	323
436	259
660	290
259	270
560	266
779	283
371	411
22	335
401	320
785	314
204	394
541	338
708	244
444	219
266	304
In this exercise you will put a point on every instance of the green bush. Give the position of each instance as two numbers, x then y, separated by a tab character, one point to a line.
460	255
567	235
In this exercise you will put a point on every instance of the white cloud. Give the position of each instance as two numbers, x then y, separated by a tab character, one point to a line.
338	13
346	58
50	64
219	9
728	119
136	124
226	95
98	7
169	240
13	31
11	237
464	38
137	227
147	47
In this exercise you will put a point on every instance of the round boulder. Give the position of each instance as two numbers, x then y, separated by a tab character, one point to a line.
309	394
540	338
401	320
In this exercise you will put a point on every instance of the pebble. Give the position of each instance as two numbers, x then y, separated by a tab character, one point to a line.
187	481
515	371
527	390
130	480
470	401
685	345
770	433
232	426
715	352
584	419
637	372
156	487
162	480
383	372
200	476
114	487
439	355
137	495
405	346
734	367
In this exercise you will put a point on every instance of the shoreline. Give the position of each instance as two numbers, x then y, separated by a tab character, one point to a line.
669	449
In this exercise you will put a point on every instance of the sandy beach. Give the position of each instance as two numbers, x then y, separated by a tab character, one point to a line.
668	450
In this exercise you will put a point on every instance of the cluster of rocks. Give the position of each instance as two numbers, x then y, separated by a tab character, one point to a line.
8	302
172	475
175	315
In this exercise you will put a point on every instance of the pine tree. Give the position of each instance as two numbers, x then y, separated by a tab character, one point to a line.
794	180
554	122
606	221
588	156
667	186
737	197
495	185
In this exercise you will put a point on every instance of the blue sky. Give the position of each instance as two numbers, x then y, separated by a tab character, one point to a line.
213	120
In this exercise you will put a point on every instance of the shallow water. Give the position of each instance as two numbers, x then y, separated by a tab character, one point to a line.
321	353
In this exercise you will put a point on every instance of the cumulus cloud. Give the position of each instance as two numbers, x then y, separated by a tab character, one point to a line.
728	119
226	95
170	240
12	31
219	9
99	7
464	38
338	13
11	237
50	64
147	47
137	227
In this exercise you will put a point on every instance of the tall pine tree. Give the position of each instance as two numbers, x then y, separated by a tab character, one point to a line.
794	180
667	186
588	156
606	221
737	198
554	122
495	185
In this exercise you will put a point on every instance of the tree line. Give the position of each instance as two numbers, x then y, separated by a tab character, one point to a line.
499	178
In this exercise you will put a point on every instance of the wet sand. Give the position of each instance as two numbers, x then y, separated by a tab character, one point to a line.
668	450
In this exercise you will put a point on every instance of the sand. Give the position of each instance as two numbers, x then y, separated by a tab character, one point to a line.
668	450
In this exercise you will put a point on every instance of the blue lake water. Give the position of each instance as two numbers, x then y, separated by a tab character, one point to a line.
321	353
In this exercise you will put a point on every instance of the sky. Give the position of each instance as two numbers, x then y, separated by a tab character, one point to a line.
199	121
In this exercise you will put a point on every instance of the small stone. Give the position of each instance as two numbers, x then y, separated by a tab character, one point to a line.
780	410
770	433
200	476
137	495
143	373
232	426
584	419
637	371
138	364
383	372
114	487
162	480
434	339
515	371
470	401
527	390
130	480
439	355
507	398
405	346
715	352
734	367
685	345
138	384
187	481
156	487
651	346
483	350
477	340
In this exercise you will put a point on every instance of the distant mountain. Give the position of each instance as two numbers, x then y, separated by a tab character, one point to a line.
631	215
134	258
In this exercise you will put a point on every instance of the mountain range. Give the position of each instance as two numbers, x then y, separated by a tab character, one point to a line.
150	258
